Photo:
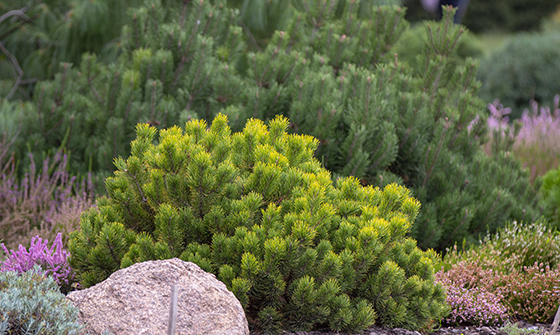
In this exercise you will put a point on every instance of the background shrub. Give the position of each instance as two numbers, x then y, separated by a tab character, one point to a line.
46	33
256	209
525	69
335	77
411	44
30	303
550	191
497	15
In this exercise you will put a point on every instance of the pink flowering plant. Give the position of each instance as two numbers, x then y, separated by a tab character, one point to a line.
471	295
512	274
53	260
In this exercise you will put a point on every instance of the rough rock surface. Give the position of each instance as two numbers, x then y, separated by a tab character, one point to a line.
136	301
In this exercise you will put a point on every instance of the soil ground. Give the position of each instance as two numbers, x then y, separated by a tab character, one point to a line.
525	329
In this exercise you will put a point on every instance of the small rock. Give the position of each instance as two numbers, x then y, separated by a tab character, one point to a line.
136	300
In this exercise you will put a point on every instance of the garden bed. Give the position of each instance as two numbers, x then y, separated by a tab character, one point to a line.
519	328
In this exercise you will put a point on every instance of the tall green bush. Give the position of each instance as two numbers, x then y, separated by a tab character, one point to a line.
258	210
550	192
337	79
500	15
525	69
40	35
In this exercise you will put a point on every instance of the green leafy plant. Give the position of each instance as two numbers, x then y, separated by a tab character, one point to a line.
256	209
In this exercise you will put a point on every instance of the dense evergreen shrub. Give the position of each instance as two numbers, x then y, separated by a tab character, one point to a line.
525	69
501	15
336	78
30	303
39	35
256	209
550	192
412	42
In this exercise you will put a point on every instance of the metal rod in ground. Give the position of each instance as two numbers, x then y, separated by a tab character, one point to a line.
556	321
173	311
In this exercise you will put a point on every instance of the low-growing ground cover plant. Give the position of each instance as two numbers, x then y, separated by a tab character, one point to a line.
257	209
471	295
31	304
519	267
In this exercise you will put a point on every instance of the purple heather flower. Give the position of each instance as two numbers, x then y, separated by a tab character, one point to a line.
54	260
498	119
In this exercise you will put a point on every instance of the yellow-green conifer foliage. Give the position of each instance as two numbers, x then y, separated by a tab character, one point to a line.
258	210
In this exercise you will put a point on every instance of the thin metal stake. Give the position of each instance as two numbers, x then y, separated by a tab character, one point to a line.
556	322
173	311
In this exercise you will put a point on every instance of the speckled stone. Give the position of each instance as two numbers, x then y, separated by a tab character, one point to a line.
136	301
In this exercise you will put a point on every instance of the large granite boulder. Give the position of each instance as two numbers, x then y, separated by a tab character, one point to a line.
136	301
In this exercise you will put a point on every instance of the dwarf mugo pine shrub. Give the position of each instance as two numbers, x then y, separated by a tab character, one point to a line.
258	210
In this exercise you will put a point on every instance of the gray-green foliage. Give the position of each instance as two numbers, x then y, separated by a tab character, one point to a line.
257	209
31	304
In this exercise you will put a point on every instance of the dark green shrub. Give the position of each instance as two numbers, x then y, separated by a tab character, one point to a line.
501	15
412	43
550	193
31	303
44	34
337	79
525	69
256	209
